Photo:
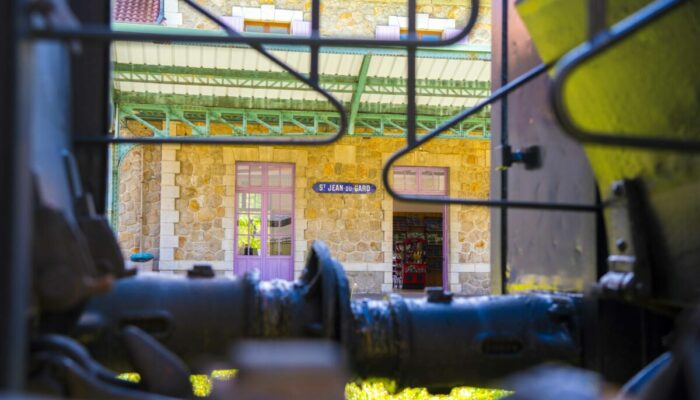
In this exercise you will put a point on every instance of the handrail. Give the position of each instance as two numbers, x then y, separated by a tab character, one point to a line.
495	96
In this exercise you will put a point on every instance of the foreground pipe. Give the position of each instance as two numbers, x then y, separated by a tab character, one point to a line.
441	342
438	342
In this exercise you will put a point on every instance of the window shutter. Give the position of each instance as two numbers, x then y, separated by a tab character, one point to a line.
452	32
234	22
388	32
301	28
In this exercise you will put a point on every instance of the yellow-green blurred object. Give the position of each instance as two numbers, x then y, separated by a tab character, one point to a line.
369	390
378	391
646	85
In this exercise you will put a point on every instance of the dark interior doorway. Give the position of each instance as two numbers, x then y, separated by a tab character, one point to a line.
418	248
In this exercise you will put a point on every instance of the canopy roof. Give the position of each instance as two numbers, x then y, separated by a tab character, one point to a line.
366	80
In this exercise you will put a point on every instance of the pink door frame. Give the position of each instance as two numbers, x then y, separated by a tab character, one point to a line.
445	210
242	262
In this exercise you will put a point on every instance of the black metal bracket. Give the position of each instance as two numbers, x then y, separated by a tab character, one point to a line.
601	40
629	265
530	157
414	142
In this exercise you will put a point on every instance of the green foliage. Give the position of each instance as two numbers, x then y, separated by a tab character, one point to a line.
377	390
130	376
366	390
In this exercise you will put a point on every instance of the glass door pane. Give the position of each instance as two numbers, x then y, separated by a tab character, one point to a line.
279	224
249	224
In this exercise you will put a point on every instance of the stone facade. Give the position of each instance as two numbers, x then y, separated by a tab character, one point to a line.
196	206
476	283
138	198
188	211
341	17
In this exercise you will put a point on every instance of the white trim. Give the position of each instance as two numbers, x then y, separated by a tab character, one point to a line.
171	6
184	265
169	215
379	267
470	267
355	267
267	12
423	21
172	18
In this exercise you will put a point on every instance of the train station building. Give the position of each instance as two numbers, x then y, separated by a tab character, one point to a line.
259	207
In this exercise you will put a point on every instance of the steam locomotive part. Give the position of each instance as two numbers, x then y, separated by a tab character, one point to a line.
439	341
451	341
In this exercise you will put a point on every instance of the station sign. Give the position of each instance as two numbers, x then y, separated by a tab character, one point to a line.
344	187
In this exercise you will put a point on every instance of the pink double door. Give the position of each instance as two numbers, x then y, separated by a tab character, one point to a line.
264	234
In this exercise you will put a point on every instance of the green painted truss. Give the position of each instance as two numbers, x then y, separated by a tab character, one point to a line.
208	121
283	81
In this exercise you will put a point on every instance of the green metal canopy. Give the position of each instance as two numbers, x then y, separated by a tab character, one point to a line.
234	88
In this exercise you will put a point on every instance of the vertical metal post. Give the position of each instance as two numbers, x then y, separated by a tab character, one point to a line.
596	17
15	200
315	26
504	141
411	78
113	176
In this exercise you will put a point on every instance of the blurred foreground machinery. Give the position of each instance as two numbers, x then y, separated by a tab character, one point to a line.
439	342
612	269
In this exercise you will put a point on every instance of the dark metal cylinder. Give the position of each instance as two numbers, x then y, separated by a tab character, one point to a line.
461	341
192	317
438	342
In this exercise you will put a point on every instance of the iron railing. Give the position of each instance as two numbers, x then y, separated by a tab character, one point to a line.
600	40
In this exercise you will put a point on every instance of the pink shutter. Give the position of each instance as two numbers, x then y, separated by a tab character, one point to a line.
388	32
452	32
234	22
301	28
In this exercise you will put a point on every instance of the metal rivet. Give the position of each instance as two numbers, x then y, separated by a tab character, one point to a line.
618	188
437	294
621	245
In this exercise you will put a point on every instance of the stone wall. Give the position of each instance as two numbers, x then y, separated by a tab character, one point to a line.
346	18
197	193
201	204
138	197
129	222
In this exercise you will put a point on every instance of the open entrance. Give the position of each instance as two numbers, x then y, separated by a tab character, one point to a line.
420	230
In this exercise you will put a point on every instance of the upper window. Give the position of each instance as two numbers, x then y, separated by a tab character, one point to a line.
268	19
420	180
427	28
267	27
423	34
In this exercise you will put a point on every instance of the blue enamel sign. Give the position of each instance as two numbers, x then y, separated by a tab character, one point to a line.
344	187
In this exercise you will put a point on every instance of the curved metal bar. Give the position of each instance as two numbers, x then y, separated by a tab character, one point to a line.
312	81
641	380
99	33
340	108
497	95
597	45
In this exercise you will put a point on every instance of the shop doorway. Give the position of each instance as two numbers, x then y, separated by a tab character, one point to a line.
420	231
264	220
